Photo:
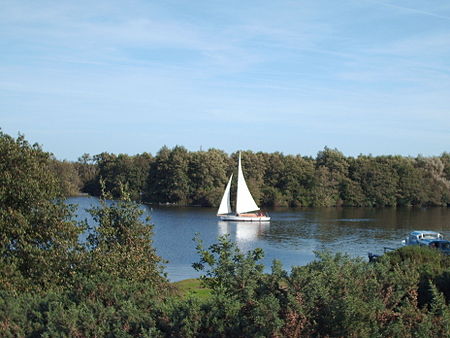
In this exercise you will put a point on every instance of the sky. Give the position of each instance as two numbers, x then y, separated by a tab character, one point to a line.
362	76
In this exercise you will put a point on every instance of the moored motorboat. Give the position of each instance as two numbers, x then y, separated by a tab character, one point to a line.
422	237
428	238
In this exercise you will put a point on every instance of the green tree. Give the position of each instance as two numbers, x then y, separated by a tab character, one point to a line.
334	160
350	188
121	243
168	180
67	175
436	185
445	159
272	188
122	169
329	183
411	182
88	174
242	302
379	180
38	237
207	172
297	180
324	192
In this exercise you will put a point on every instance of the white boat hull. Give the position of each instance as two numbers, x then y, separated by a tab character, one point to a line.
244	218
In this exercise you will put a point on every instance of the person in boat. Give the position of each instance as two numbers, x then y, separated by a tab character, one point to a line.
249	215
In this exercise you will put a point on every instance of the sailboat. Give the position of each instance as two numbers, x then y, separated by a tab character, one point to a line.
246	208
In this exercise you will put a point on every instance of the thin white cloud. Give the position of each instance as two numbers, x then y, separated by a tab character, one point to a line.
410	9
96	40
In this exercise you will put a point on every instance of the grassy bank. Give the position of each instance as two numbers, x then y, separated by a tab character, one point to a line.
192	287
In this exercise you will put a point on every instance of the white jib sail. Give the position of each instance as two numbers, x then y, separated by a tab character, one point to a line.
244	200
225	206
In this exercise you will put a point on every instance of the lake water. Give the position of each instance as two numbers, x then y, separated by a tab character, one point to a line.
291	237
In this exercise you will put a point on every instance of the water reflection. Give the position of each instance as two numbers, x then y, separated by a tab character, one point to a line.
244	231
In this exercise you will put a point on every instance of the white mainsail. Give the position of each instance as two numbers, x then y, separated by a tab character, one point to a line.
244	200
225	205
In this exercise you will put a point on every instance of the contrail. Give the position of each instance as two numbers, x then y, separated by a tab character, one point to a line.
413	10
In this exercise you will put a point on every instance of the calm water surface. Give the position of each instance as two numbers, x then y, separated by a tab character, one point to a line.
291	237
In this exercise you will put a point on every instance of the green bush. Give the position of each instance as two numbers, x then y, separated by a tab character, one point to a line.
404	294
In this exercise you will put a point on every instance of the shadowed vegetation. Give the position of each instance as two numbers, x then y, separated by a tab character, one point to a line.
178	176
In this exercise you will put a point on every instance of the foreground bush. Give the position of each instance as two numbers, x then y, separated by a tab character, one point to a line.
101	307
402	295
38	237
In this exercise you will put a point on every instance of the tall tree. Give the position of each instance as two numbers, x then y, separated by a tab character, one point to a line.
325	191
445	159
337	165
122	169
297	180
168	180
351	191
378	179
437	186
67	175
208	175
410	182
88	173
38	237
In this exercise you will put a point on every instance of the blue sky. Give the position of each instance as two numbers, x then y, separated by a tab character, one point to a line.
364	76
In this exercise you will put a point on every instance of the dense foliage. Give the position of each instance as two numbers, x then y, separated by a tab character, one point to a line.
52	284
178	176
38	238
404	294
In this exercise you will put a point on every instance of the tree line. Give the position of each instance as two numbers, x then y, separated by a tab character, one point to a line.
53	284
181	177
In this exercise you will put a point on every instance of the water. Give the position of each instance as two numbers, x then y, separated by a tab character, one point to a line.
291	237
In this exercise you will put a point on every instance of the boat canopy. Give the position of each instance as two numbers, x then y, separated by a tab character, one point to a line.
426	234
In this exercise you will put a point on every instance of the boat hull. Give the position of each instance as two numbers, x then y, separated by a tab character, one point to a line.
244	218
